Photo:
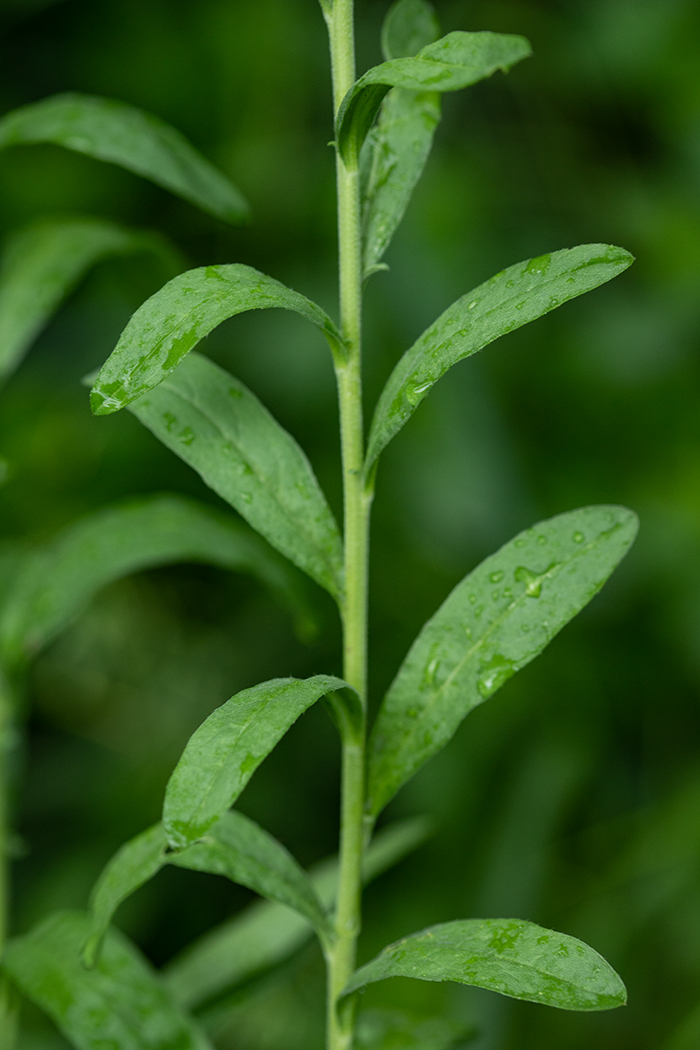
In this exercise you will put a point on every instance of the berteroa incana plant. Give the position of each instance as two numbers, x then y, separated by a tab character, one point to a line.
89	978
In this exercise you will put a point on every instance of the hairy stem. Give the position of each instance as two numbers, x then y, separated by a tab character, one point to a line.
341	957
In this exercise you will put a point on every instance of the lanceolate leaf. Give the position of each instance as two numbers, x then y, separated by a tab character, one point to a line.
454	62
240	850
182	313
222	755
42	263
234	847
508	956
499	618
58	580
121	1003
137	141
220	428
507	301
395	151
265	934
409	26
391	163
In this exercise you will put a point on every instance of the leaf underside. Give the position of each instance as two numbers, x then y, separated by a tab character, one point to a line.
217	426
515	958
498	619
123	135
507	301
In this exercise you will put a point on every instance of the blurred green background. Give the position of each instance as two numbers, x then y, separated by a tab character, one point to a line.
573	797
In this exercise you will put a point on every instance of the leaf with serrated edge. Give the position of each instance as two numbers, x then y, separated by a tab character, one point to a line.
121	134
171	323
409	25
515	958
451	63
42	263
507	301
213	422
222	755
122	1002
58	580
498	619
235	847
265	934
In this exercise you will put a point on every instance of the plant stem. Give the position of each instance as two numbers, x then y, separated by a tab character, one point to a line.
357	501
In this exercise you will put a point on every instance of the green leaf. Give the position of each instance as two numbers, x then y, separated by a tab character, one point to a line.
222	755
453	62
58	580
498	619
220	429
509	956
42	263
237	848
121	1003
409	25
134	863
138	141
396	1030
265	934
182	313
392	160
507	301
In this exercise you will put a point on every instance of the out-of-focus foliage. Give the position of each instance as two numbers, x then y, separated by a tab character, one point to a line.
572	798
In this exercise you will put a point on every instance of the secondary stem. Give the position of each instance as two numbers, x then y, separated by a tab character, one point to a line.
357	499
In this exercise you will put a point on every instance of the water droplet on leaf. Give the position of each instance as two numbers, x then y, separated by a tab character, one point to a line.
579	537
496	577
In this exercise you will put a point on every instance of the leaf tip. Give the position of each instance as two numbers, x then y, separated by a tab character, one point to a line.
91	950
102	405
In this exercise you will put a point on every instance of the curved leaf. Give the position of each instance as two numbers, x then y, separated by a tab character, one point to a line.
135	140
235	847
507	301
222	755
120	1003
498	619
409	25
43	262
453	62
265	934
58	580
509	956
179	316
219	428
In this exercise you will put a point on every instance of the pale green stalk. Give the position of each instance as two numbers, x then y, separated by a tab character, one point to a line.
357	499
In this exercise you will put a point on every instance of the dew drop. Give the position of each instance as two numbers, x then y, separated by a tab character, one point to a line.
541	540
519	306
493	674
520	543
415	392
539	265
531	579
473	304
496	577
495	595
247	497
478	611
579	537
472	599
553	302
509	284
507	593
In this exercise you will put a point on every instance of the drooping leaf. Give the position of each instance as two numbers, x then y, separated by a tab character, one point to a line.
234	847
396	1030
498	619
391	163
264	934
43	262
222	755
453	62
57	581
237	848
515	958
182	313
121	1003
134	863
219	428
409	25
135	140
507	301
